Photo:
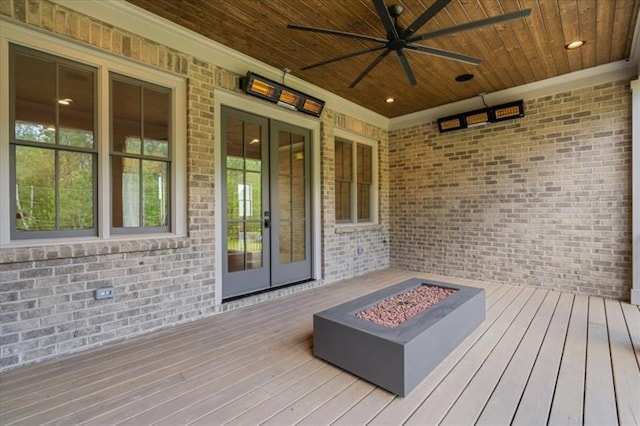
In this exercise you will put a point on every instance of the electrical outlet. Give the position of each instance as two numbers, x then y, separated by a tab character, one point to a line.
105	293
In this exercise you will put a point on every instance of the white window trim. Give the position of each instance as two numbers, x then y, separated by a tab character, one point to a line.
360	139
105	62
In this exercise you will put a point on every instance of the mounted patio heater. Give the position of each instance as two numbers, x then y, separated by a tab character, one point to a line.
281	95
479	117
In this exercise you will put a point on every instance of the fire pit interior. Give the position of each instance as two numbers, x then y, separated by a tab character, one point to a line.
396	336
395	310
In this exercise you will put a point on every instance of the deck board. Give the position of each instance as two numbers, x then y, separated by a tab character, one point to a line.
506	395
626	374
526	363
568	400
599	396
446	394
401	408
535	403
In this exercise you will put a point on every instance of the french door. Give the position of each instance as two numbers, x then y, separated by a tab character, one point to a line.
267	209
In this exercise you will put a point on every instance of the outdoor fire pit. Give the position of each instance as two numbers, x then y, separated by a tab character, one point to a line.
396	336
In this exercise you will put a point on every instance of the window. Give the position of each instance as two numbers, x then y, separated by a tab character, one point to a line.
355	181
53	149
91	146
140	155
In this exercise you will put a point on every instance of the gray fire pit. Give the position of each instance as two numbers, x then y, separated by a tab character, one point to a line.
399	358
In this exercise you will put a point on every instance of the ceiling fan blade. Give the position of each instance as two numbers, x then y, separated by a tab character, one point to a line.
407	67
443	54
371	66
339	58
424	18
470	25
383	13
337	33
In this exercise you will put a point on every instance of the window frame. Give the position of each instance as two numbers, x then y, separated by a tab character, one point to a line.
104	62
114	76
55	147
355	140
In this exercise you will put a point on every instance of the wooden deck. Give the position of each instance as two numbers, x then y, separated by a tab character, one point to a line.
539	357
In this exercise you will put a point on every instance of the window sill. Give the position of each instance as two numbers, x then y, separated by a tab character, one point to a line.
37	250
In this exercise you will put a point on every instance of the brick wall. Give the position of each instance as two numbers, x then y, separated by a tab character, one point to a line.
46	293
544	200
47	306
340	255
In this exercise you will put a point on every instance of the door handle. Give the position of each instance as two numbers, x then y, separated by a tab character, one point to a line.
266	223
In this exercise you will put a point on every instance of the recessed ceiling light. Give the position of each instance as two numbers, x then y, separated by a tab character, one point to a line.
254	141
574	44
464	77
65	101
390	100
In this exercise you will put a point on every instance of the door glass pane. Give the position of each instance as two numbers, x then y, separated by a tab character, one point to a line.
35	91
75	189
291	197
235	194
297	202
244	195
235	246
76	109
253	147
284	233
298	241
35	189
253	244
284	197
253	196
235	152
297	149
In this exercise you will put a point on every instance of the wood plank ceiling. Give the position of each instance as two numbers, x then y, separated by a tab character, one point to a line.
514	53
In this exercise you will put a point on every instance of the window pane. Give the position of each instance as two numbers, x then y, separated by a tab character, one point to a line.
76	113
125	192
364	202
126	119
35	189
364	164
343	201
156	123
343	160
155	187
35	99
75	189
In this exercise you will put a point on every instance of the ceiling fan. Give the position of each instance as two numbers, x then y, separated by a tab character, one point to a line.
400	39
